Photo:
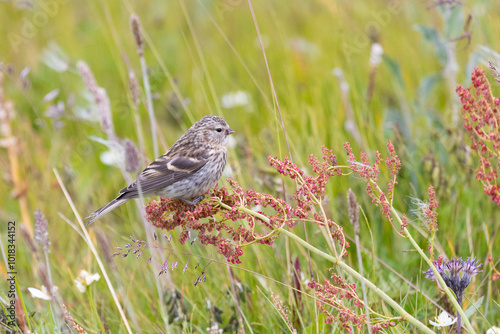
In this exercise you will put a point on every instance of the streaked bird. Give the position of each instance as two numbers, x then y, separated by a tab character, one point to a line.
192	166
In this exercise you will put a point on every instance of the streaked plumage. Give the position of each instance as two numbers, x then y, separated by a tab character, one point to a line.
189	169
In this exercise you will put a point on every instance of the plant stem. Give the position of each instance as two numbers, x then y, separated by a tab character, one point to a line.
149	102
459	317
94	251
447	290
405	315
363	285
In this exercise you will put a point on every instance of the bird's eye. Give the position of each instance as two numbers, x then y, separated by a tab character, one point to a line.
218	130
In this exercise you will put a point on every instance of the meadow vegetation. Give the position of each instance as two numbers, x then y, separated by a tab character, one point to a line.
361	189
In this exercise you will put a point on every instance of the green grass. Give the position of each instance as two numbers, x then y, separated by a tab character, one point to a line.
411	105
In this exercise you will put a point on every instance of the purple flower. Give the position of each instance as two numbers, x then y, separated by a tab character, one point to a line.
470	268
430	273
454	266
456	273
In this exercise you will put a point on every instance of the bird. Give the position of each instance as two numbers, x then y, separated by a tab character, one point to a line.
189	169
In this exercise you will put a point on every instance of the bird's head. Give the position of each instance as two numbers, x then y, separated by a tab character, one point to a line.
212	130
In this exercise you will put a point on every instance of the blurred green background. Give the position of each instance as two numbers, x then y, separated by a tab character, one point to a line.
332	87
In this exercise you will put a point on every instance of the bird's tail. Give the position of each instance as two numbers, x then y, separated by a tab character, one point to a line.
105	209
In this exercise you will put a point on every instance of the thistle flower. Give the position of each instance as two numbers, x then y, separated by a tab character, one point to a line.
41	231
457	275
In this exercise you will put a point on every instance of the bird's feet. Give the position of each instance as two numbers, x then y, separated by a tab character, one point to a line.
196	200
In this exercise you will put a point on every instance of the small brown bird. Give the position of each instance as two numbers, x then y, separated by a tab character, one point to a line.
188	170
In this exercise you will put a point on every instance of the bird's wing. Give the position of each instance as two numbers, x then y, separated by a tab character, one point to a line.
163	172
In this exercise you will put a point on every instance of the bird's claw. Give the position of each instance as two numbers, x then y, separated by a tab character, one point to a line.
196	200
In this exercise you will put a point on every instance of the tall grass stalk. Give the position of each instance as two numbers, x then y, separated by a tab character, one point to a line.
203	62
275	96
489	288
354	218
134	89
277	105
139	40
235	296
404	279
159	59
350	124
100	95
405	315
237	55
137	32
89	242
148	228
447	290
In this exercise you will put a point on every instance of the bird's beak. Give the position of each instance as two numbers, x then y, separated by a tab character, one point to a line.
229	131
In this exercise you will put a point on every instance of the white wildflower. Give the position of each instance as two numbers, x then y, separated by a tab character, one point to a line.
443	320
376	53
235	99
41	294
493	330
85	279
214	329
